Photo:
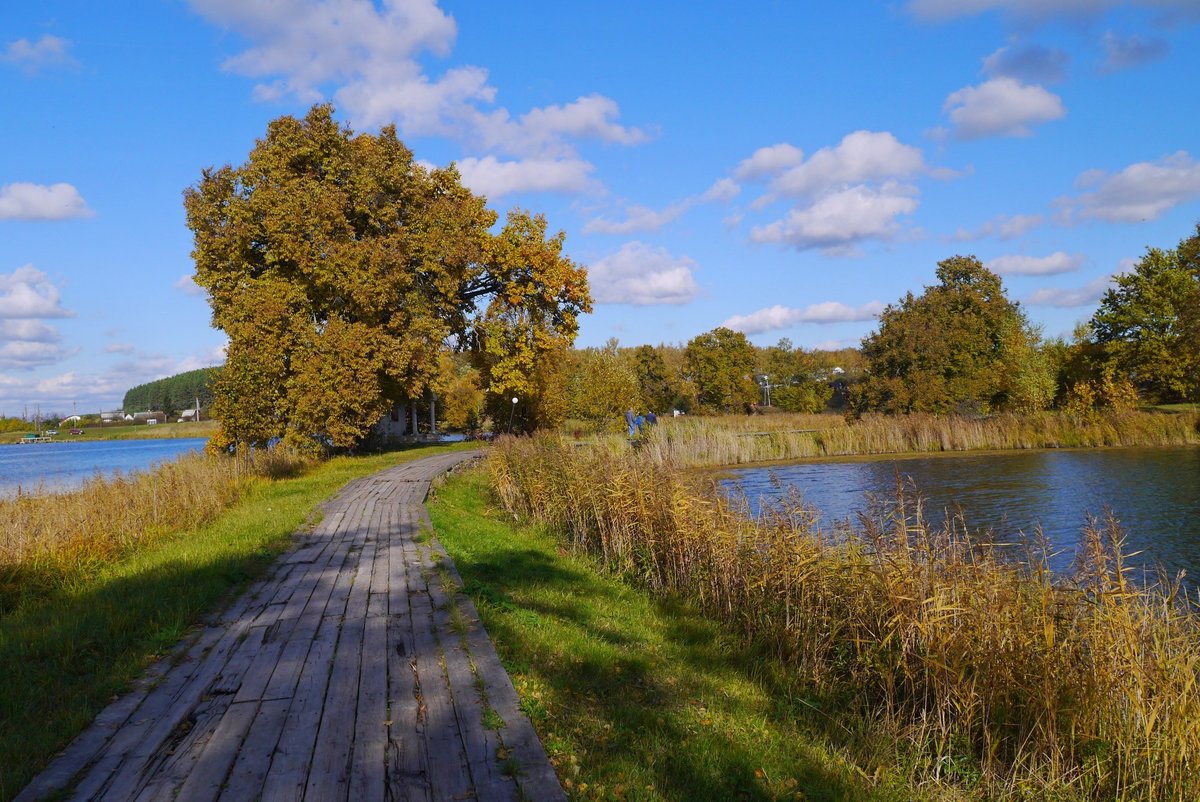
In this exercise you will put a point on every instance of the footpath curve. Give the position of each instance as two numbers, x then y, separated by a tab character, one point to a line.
354	670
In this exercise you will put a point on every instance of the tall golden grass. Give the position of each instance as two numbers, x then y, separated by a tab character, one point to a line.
991	672
740	439
50	539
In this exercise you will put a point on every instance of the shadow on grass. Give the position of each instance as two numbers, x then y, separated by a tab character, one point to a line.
652	691
64	657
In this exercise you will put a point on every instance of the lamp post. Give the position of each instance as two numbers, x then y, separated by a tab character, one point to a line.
511	413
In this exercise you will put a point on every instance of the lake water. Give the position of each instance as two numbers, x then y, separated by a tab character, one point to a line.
67	464
1154	493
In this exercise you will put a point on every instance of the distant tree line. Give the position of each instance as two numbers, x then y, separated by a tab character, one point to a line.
174	393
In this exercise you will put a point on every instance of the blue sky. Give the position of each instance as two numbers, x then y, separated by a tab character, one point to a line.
783	168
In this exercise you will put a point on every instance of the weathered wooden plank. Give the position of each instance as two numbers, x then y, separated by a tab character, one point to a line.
371	716
329	775
445	758
288	773
249	770
407	777
208	775
481	744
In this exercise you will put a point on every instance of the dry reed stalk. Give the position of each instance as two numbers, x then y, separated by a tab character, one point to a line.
49	539
998	674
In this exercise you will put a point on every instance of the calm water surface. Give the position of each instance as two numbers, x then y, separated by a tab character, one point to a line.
63	465
1155	493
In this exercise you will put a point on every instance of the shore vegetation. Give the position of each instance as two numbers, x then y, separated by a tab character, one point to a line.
739	439
967	667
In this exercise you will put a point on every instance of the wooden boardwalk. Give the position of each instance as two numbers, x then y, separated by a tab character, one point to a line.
353	671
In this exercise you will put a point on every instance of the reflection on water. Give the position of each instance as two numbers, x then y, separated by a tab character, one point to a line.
1153	492
62	465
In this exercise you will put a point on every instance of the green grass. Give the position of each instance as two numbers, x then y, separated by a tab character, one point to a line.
637	699
161	431
63	657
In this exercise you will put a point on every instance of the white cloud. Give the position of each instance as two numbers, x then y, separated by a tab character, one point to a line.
837	221
1040	10
781	317
643	275
1123	52
29	331
1142	191
26	343
769	161
642	218
25	201
1004	226
26	354
1087	295
367	55
722	191
1001	107
1019	265
49	51
1030	62
28	293
860	156
119	348
492	177
637	218
187	285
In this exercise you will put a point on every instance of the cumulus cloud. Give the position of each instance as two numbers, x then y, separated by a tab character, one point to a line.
366	56
1032	63
493	177
778	317
187	285
25	201
1068	298
839	220
769	161
28	293
1004	226
1123	52
860	156
32	57
1142	191
1001	107
1020	265
643	275
841	194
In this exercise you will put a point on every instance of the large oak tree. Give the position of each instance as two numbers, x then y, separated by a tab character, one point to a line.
342	270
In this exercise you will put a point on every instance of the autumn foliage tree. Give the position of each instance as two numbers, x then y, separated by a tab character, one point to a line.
342	270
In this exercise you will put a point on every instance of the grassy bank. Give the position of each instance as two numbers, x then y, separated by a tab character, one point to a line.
636	698
161	431
734	440
77	639
996	677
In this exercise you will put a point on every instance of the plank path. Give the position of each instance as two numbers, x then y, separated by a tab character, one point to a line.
354	670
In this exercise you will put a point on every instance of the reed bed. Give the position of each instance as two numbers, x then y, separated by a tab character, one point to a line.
735	440
48	540
987	672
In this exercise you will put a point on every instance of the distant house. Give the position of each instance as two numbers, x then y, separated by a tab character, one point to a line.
189	414
401	422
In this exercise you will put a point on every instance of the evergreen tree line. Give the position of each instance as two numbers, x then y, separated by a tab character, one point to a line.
174	393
